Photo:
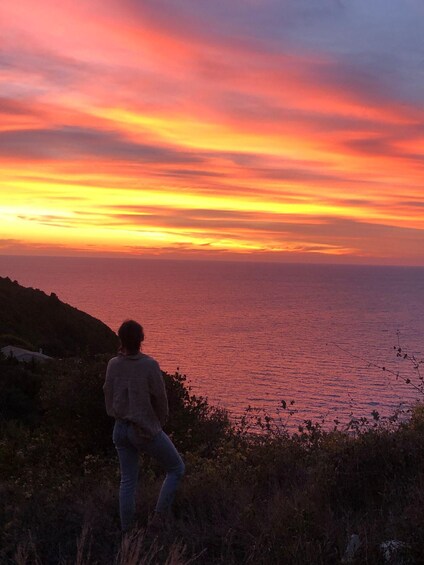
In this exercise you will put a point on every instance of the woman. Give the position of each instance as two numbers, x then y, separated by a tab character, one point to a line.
135	396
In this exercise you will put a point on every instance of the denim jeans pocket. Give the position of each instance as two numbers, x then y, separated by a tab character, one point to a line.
137	436
120	433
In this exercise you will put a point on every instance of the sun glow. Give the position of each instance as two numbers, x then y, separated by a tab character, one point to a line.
145	133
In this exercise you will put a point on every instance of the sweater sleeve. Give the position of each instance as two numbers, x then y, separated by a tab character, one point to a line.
158	393
108	390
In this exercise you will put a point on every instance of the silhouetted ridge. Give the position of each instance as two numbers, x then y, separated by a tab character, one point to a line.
30	318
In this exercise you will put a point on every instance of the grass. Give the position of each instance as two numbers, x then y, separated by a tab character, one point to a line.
256	498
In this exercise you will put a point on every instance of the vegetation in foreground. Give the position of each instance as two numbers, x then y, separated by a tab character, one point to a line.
258	498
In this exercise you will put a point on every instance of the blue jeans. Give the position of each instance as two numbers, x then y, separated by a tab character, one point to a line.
128	448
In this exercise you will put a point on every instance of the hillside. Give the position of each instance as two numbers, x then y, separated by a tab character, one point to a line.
32	319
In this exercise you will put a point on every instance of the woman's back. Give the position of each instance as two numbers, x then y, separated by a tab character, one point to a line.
134	391
135	396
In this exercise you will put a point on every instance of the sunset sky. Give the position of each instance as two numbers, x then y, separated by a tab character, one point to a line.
281	130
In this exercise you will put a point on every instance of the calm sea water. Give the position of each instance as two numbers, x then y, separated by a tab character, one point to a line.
254	334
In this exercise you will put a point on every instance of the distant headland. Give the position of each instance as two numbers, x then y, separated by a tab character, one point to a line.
33	320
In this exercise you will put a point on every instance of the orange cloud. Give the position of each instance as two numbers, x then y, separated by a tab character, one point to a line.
131	128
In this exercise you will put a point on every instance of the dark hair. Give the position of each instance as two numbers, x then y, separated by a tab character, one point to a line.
131	335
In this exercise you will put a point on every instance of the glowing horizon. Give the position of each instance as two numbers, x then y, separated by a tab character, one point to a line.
275	130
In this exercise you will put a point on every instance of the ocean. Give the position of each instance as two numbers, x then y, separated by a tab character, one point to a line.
258	333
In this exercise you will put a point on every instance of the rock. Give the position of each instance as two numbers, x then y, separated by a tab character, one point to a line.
395	552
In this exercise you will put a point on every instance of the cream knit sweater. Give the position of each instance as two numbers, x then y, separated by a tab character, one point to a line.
134	391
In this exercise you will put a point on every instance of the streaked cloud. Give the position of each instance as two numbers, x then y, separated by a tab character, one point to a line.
286	130
69	142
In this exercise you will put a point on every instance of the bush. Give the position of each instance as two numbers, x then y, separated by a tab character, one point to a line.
20	386
194	424
268	497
